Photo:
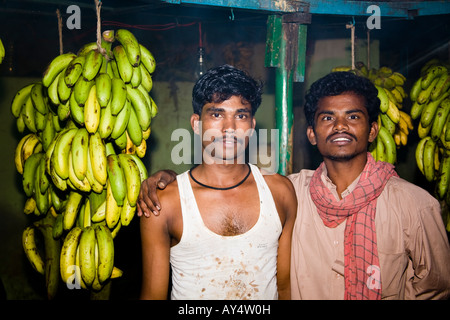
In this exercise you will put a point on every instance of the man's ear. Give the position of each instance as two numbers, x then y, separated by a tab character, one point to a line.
195	118
311	135
373	131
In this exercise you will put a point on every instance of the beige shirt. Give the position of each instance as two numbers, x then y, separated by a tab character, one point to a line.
413	247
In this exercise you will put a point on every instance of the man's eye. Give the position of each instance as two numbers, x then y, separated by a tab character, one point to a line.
327	118
354	117
242	116
215	115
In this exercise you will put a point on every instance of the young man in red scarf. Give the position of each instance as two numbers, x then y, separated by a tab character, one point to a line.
361	231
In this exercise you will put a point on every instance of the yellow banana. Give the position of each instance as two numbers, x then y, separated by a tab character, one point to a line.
74	70
55	67
428	160
116	273
142	169
31	250
78	184
103	85
419	153
79	152
87	259
147	59
130	148
146	133
112	209
393	112
92	64
116	177
97	152
141	149
68	254
30	206
123	64
130	44
92	111
100	213
132	177
61	153
72	208
18	159
407	118
105	252
77	274
96	186
127	212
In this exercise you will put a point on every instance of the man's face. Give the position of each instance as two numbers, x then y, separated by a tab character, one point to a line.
226	127
342	130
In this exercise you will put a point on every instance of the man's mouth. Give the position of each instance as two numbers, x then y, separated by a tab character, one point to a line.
341	138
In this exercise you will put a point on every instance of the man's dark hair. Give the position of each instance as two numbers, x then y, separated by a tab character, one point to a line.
336	83
223	82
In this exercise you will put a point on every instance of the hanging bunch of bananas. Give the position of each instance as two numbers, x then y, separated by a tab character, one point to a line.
394	123
430	95
85	128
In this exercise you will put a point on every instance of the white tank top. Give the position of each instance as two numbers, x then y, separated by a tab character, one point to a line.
206	265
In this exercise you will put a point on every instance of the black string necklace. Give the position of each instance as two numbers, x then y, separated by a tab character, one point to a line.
227	188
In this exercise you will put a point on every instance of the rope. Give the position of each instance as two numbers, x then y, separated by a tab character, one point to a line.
98	5
352	27
58	15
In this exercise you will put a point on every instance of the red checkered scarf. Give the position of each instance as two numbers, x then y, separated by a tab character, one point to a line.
361	264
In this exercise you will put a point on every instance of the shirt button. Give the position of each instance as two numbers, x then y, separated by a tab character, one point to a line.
335	242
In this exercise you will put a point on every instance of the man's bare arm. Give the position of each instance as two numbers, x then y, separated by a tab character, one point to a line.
148	201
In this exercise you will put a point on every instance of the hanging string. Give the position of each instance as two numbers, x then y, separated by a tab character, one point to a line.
58	15
200	41
98	5
352	27
368	49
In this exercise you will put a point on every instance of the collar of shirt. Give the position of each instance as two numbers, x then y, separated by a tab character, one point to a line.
332	187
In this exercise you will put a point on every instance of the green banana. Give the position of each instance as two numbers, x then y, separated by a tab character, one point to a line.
146	81
140	105
142	169
20	98
92	64
134	129
147	59
58	228
103	85
122	119
2	51
389	145
121	141
52	91
424	95
387	123
55	67
444	175
442	86
81	90
431	74
39	121
415	90
416	109
64	91
105	252
29	172
428	160
136	78
440	119
86	48
130	44
74	71
118	95
107	121
76	111
132	177
38	98
116	178
124	66
29	116
419	153
429	111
